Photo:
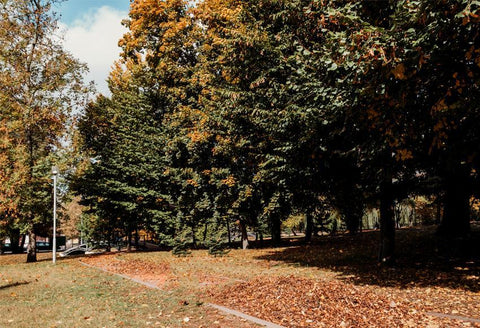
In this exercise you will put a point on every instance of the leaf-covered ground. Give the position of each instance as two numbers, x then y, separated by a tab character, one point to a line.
333	282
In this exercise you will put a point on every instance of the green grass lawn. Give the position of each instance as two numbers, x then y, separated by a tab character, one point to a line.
69	294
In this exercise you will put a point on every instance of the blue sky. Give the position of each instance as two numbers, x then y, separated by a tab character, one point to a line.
92	29
72	10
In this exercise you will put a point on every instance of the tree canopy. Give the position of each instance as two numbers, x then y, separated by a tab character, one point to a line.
270	108
227	115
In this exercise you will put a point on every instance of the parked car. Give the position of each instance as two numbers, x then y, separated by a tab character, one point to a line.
7	247
40	245
77	250
43	246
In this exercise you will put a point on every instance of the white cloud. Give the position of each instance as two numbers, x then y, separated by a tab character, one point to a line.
94	41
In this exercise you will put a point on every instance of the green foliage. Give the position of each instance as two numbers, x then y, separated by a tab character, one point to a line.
294	223
217	247
224	111
181	248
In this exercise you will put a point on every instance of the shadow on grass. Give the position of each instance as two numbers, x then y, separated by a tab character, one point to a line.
423	260
15	284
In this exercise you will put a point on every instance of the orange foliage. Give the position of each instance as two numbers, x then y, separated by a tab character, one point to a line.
475	203
192	182
198	136
399	72
404	154
229	181
12	173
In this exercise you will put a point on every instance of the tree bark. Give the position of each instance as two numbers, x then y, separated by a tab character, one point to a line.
129	242
387	223
229	234
15	242
194	237
439	212
456	216
243	228
309	228
137	238
205	232
352	220
32	247
276	230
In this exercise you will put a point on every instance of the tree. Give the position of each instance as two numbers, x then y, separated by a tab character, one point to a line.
264	108
444	70
416	101
123	183
146	179
41	83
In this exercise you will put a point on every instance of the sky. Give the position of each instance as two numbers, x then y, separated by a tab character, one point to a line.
92	29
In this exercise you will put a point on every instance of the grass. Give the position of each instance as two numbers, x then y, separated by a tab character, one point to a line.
70	294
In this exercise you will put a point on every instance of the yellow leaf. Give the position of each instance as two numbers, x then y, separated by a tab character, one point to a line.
399	72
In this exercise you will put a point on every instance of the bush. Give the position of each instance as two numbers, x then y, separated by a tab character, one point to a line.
181	248
217	248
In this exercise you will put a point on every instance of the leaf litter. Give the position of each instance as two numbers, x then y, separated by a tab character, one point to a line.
311	286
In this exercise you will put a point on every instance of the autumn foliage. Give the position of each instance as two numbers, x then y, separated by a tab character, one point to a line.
41	84
250	112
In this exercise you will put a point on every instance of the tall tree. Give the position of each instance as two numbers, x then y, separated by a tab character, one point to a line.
41	83
146	167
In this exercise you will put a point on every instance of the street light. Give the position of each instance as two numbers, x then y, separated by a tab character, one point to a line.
55	173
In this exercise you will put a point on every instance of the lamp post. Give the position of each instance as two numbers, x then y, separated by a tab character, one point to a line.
55	173
81	230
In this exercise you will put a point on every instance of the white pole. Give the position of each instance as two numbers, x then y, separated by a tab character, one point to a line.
55	172
81	229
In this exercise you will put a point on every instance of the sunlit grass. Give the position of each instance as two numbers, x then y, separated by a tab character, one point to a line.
69	294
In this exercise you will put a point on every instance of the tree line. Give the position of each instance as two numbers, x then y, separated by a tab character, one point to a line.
226	112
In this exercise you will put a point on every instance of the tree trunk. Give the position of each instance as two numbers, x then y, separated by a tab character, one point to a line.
353	213
387	222
352	221
205	232
129	242
309	228
15	242
111	237
439	211
136	237
456	216
194	237
276	230
32	247
243	228
229	234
